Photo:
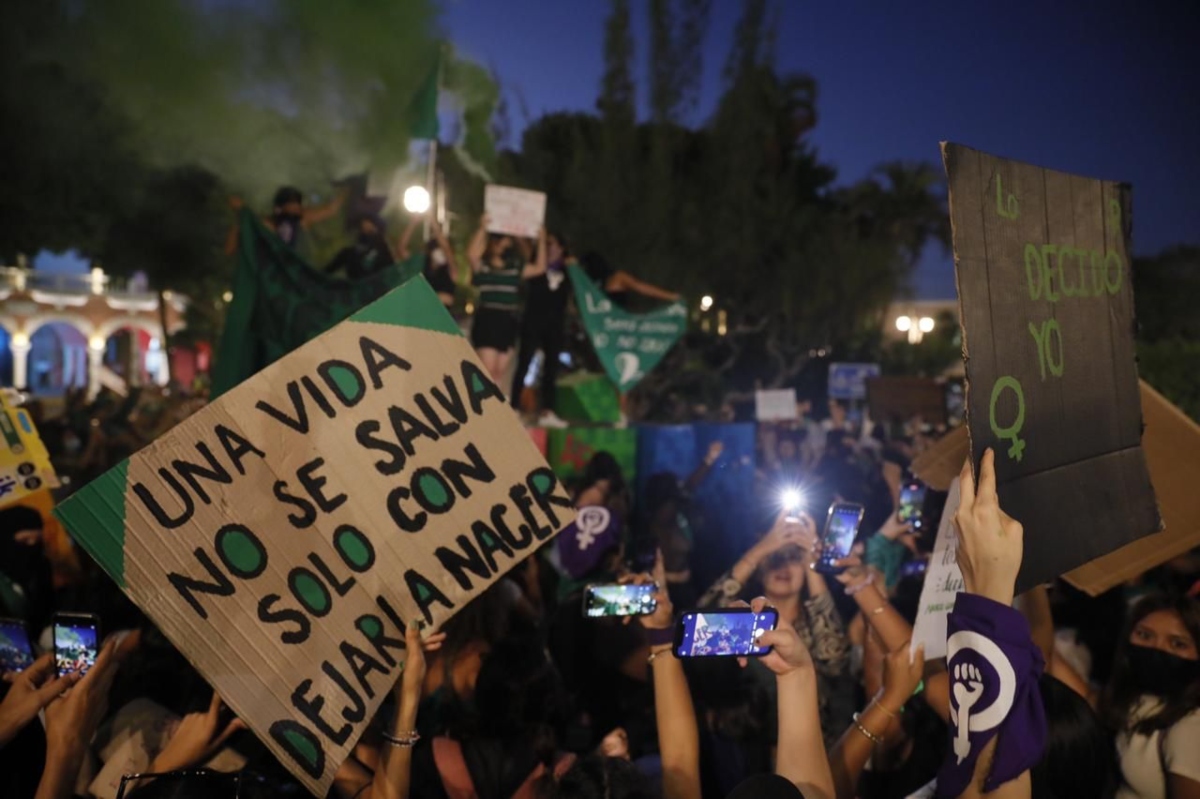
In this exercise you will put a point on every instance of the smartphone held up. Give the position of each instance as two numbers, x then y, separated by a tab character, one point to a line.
837	541
16	653
76	642
730	632
605	601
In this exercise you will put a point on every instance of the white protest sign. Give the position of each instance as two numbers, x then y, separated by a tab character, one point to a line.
283	536
943	581
775	405
516	212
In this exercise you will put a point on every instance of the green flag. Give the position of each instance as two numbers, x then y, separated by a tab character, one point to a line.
280	302
425	104
629	345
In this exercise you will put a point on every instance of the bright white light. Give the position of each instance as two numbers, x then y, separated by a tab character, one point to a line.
97	343
706	302
925	324
416	200
227	296
791	499
904	324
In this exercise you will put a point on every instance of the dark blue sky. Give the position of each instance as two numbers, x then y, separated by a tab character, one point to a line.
1104	88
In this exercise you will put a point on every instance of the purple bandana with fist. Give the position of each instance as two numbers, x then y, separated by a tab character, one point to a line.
994	669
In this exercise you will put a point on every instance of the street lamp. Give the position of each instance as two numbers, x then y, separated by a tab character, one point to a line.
706	302
915	327
416	199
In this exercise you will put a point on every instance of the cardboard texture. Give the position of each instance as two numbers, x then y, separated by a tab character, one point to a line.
898	399
1042	262
775	405
940	464
1172	445
25	465
517	212
282	537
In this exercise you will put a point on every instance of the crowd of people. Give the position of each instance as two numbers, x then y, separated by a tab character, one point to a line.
522	695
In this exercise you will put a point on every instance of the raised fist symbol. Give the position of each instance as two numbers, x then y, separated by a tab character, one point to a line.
968	687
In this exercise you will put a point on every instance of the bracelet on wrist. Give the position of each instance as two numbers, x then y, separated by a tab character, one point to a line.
406	740
892	714
872	737
655	652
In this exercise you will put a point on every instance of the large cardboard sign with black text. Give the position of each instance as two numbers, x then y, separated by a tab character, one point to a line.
283	536
1042	260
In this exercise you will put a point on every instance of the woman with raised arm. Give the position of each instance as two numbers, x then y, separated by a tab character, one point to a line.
1153	700
998	724
499	269
441	266
393	773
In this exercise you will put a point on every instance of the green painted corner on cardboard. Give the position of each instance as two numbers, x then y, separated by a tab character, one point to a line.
95	518
412	304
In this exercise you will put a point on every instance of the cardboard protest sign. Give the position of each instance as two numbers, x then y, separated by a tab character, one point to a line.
848	381
629	345
24	462
1042	261
283	536
943	580
775	405
1172	445
517	212
898	399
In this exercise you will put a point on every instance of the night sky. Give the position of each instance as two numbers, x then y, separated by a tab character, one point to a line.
1103	89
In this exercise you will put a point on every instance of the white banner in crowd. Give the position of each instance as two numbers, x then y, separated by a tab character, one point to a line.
775	405
517	212
942	581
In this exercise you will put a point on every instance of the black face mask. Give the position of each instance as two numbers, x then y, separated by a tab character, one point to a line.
1160	673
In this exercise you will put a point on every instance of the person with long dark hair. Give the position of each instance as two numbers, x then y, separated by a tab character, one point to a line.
499	266
1153	700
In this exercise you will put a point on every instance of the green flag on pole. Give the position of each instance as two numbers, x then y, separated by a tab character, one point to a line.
280	302
629	345
425	104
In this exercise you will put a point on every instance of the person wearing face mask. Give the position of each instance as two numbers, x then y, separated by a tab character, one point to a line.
1153	700
369	253
288	218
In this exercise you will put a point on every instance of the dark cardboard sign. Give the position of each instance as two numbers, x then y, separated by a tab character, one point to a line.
900	398
1042	262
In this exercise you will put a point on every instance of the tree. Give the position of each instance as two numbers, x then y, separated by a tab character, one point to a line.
739	208
67	159
1167	298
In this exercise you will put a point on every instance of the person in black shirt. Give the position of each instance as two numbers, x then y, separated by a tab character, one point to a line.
543	327
369	253
441	266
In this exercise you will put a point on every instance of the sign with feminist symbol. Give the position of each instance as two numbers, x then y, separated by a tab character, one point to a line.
1043	266
629	345
283	536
